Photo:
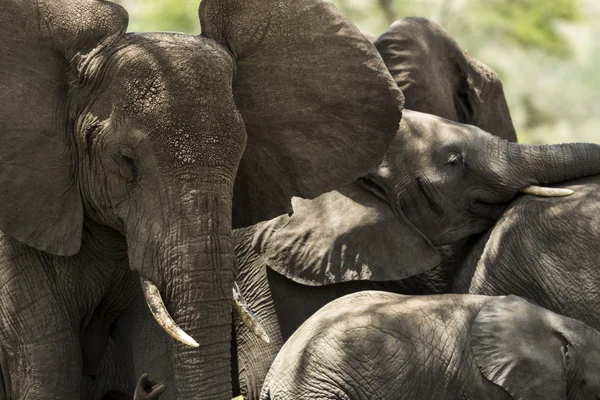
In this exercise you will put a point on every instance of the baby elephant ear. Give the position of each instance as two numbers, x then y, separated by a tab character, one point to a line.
40	201
517	345
342	236
319	106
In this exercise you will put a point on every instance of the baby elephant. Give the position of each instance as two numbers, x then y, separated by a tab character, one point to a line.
378	345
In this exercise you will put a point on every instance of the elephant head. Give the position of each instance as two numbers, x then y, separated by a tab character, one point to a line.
157	135
564	364
438	78
439	183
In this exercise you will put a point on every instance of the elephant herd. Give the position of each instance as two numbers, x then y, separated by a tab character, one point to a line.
364	206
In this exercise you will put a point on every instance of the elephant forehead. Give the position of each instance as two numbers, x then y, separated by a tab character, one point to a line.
176	89
422	133
158	72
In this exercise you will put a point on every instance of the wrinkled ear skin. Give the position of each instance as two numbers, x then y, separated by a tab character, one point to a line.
520	347
41	204
319	106
419	68
438	78
344	235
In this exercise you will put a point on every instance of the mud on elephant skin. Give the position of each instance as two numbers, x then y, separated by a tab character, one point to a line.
439	78
545	250
377	345
153	138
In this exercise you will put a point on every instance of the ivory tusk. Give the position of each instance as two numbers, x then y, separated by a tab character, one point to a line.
160	313
247	316
546	191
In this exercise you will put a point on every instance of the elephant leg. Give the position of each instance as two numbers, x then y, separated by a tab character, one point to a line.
46	371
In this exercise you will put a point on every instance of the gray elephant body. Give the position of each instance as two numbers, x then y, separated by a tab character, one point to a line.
364	236
282	305
55	317
148	148
377	345
545	250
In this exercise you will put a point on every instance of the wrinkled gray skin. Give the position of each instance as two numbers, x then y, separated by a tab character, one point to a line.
546	250
383	228
438	78
377	345
120	151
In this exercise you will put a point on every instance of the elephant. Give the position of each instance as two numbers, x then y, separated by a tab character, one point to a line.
141	151
378	345
440	183
438	78
545	250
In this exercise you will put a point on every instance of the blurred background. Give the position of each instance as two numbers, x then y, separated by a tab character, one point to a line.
547	52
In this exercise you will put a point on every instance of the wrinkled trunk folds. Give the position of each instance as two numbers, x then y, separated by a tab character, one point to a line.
198	261
187	253
550	164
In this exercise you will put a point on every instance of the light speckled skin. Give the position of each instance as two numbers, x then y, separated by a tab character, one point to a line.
376	345
127	146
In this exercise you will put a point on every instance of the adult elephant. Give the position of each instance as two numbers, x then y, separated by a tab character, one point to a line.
438	78
377	345
545	250
121	150
439	183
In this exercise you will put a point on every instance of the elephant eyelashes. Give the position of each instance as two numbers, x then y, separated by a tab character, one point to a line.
90	134
128	158
454	159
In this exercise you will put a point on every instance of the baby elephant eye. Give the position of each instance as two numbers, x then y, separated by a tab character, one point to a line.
454	159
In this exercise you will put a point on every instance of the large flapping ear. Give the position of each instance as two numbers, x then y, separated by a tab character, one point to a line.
439	78
483	88
319	106
40	201
343	235
416	52
519	346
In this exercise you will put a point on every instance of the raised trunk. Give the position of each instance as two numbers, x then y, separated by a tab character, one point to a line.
550	164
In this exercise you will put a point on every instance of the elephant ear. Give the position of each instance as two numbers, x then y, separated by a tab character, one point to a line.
438	78
419	54
520	347
341	236
319	106
41	204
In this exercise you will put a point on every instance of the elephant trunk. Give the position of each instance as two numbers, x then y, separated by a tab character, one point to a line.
199	274
551	164
190	259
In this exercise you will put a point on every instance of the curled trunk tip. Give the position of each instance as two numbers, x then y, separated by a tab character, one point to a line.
546	191
162	316
247	316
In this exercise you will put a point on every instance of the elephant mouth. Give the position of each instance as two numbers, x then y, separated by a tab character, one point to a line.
489	211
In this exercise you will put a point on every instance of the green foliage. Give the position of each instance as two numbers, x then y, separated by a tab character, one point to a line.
550	79
532	23
162	15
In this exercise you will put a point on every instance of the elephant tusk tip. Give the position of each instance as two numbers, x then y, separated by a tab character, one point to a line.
188	340
161	315
546	191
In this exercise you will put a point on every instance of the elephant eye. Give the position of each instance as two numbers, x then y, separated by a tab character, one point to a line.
454	159
128	157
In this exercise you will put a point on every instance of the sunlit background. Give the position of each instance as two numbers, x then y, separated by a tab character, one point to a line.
546	51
